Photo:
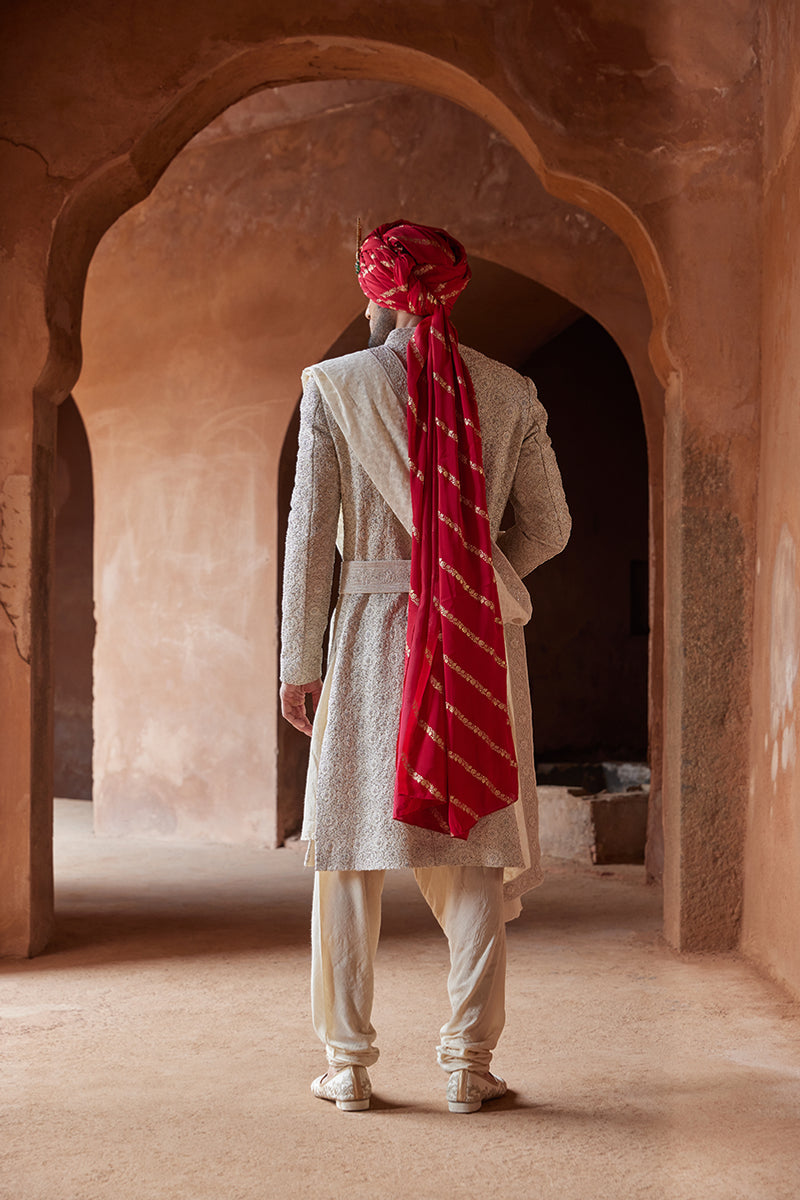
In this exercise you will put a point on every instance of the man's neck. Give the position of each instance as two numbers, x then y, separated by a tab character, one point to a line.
406	320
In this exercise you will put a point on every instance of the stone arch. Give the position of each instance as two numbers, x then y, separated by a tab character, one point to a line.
504	307
102	197
96	203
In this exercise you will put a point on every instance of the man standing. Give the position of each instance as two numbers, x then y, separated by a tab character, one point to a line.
422	748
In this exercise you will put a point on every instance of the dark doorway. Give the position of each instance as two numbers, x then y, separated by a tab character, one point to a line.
587	641
73	614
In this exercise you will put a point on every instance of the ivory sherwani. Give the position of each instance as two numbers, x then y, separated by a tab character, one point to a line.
348	816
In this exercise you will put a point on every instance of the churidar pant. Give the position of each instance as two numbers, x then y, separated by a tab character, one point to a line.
346	917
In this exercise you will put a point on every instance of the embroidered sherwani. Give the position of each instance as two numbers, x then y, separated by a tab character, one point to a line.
348	818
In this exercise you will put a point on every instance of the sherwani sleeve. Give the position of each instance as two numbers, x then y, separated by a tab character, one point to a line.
310	544
542	522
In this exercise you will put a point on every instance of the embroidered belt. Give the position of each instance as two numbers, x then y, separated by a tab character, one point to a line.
378	575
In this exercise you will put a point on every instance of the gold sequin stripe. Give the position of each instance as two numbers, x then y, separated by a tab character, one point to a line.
432	734
465	499
439	291
481	778
413	408
421	780
472	727
371	267
422	241
473	637
440	336
464	807
451	433
480	512
440	821
475	595
467	420
453	800
453	665
487	558
414	469
469	463
415	350
443	383
413	596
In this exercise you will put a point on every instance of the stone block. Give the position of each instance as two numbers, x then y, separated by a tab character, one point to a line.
609	827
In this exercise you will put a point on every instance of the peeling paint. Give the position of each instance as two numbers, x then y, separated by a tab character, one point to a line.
15	575
784	653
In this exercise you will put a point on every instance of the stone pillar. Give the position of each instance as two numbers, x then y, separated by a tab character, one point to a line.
711	473
26	878
772	857
27	435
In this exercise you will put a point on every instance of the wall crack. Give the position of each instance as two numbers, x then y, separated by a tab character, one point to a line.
33	150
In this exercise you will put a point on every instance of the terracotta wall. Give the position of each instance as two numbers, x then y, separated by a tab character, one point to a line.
772	864
201	306
647	117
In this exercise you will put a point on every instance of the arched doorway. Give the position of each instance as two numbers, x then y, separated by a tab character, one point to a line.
201	307
104	193
588	640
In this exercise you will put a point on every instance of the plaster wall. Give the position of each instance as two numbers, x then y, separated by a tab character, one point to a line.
648	117
772	863
202	304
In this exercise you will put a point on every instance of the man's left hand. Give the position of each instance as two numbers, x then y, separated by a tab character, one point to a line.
293	703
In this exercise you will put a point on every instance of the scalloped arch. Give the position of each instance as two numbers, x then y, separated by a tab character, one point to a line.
103	196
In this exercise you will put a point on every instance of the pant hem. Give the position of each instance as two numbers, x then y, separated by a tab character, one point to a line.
338	1059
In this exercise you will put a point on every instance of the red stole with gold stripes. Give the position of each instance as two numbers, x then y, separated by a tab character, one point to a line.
455	750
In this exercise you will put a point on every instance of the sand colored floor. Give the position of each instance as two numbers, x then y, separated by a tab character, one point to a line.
162	1048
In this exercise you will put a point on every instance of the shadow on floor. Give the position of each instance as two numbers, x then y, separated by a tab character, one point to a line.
84	937
119	901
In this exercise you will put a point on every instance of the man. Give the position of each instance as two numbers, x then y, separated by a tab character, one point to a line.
421	750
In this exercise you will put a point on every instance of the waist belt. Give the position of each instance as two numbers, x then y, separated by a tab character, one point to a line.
360	576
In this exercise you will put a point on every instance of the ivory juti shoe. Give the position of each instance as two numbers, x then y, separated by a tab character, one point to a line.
467	1090
350	1088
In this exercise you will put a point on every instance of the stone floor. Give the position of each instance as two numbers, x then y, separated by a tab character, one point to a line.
161	1049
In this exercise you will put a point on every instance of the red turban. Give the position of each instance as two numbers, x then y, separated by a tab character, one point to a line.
455	748
412	267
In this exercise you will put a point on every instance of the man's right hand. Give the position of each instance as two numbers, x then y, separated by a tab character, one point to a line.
293	703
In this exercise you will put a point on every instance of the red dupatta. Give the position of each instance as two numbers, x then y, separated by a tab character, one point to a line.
455	749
